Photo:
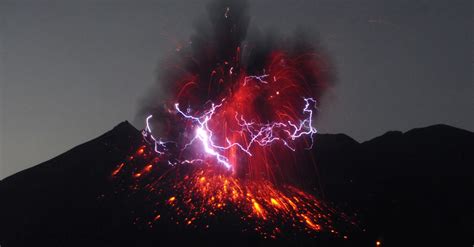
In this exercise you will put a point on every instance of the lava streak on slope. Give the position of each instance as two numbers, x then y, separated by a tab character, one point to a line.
196	196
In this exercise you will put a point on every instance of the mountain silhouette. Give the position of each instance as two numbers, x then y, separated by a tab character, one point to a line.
407	189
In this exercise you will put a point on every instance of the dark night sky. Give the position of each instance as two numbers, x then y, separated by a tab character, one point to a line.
71	70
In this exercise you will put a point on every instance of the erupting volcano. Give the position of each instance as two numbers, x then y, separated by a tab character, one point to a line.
228	150
232	129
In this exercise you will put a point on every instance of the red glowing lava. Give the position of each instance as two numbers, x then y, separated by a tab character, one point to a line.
190	195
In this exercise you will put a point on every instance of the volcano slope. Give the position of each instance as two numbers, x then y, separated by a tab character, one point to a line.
403	188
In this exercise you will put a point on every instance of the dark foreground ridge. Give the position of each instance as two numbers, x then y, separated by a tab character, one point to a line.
407	189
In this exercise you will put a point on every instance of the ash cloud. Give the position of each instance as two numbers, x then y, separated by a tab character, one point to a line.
221	37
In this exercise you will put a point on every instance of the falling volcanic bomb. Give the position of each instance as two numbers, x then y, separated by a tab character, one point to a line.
231	132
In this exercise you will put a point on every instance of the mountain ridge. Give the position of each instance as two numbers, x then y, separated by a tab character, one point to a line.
389	181
126	126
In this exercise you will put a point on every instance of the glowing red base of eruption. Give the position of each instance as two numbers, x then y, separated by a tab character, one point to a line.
192	195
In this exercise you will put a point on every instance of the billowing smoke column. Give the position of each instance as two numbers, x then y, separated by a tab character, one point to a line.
246	105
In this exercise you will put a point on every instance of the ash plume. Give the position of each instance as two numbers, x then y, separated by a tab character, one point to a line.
216	40
263	78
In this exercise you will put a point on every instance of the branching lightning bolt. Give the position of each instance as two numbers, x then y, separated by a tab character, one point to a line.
261	134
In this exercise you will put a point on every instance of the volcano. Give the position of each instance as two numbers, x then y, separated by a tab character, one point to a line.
400	188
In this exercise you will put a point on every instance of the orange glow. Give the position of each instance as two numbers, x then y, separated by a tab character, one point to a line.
116	171
148	168
313	226
378	243
274	202
259	211
157	217
205	191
